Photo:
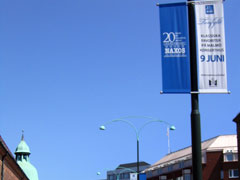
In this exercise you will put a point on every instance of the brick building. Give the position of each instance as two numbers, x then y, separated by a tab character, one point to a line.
9	169
219	161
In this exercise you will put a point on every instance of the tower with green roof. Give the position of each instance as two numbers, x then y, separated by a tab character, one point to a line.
22	157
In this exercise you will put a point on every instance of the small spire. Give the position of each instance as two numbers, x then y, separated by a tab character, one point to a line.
22	135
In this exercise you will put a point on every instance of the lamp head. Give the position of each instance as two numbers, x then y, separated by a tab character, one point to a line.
102	127
172	128
98	173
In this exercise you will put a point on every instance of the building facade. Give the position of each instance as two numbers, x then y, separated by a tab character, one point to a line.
219	162
9	169
124	171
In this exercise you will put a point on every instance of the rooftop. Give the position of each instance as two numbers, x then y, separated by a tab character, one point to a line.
219	143
130	165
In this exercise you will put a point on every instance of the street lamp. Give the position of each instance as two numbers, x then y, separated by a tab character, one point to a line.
137	131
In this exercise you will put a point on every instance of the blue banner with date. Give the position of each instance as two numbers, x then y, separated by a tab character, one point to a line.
174	48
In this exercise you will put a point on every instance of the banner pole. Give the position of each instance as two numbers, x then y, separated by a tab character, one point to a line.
195	114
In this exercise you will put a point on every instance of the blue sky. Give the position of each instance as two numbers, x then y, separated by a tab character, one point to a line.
69	66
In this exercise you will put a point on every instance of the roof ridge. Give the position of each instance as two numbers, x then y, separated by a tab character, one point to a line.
5	146
133	164
204	144
201	142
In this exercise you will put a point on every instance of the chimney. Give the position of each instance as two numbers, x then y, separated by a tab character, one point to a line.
237	121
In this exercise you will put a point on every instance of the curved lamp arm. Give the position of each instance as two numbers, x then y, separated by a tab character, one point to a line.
120	120
135	129
148	122
156	120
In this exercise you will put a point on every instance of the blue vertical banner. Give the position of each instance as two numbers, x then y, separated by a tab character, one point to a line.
174	48
142	176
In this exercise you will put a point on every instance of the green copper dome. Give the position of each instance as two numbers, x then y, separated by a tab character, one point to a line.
22	157
22	148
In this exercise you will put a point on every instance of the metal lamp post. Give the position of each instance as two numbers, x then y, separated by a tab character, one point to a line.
137	131
195	114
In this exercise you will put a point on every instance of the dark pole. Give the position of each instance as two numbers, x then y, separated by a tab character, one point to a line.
195	114
237	121
137	159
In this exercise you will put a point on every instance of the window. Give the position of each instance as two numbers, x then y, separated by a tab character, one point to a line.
162	177
222	174
230	157
126	175
170	168
187	177
233	173
149	173
121	176
25	157
110	177
19	157
187	174
181	164
179	178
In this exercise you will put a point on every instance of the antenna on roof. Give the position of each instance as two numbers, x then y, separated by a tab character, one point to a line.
22	135
169	148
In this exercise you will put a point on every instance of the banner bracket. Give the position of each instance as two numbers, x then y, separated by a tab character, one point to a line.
197	92
204	2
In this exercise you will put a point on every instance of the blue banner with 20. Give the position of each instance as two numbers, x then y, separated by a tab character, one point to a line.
174	48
